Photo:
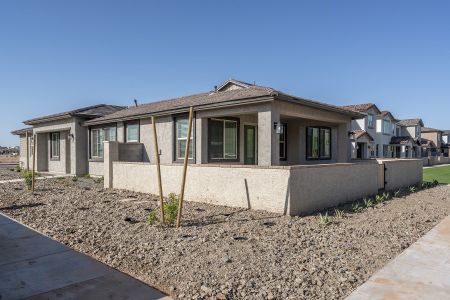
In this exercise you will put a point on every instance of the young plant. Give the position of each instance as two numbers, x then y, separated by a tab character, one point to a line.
397	194
435	182
339	213
152	217
387	196
368	202
17	169
356	207
412	189
171	208
74	178
324	219
28	176
379	199
98	180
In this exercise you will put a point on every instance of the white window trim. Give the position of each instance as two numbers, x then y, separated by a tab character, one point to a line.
58	146
177	148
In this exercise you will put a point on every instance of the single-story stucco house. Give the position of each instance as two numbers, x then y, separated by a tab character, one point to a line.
251	146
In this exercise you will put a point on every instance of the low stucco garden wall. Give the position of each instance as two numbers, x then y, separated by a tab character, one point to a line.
293	190
435	160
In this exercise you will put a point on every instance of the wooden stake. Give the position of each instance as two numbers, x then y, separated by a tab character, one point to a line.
186	158
34	163
158	169
28	151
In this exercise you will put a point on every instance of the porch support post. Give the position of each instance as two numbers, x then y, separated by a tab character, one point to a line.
403	151
343	153
268	139
110	154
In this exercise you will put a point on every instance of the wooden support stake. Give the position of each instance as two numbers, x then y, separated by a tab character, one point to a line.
186	158
28	151
34	163
158	169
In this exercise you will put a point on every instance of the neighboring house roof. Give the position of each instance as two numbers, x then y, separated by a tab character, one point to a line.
410	122
446	131
245	94
402	140
360	133
387	113
364	107
89	112
427	143
22	131
427	129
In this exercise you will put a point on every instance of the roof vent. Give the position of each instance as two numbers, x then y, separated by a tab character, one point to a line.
215	89
135	103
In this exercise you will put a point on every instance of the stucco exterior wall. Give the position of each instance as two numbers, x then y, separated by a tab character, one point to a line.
96	168
24	152
60	164
402	173
435	160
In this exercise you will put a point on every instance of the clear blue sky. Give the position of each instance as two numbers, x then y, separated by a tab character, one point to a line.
58	55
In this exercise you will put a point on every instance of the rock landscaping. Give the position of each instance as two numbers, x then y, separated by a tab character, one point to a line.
229	253
7	174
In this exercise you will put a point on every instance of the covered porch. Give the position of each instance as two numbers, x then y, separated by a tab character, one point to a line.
404	147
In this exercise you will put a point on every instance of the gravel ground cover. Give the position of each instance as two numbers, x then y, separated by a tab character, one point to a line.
7	174
226	253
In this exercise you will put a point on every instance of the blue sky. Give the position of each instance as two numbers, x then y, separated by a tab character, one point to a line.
58	55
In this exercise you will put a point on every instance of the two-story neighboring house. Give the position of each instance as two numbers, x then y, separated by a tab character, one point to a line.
408	138
434	142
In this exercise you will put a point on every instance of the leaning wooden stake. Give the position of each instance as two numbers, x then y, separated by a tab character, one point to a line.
186	158
34	163
28	151
158	169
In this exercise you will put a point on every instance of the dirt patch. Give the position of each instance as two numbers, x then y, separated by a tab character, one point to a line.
222	252
9	159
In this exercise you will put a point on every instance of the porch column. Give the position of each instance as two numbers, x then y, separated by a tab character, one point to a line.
343	153
201	141
403	151
110	154
268	139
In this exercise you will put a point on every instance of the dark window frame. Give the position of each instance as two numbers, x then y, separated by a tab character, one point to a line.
125	126
331	143
52	155
285	143
175	159
238	138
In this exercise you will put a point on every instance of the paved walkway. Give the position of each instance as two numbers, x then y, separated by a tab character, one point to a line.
33	266
421	272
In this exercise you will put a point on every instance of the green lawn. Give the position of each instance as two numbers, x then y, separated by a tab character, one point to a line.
441	174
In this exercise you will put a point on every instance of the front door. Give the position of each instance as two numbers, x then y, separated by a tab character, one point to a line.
360	151
249	144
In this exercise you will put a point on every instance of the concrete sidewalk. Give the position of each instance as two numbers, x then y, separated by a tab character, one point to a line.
33	266
421	272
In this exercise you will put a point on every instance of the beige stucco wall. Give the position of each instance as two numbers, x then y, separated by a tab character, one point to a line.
317	187
61	164
435	160
96	168
402	172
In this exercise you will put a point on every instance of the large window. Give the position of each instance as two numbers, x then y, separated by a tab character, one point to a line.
132	132
55	147
283	143
370	120
98	136
223	139
318	143
181	132
387	128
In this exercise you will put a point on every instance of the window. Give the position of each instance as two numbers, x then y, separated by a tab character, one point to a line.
386	127
283	144
55	147
132	132
318	143
370	120
98	136
181	128
223	139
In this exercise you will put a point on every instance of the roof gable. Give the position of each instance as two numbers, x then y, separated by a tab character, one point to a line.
364	107
232	84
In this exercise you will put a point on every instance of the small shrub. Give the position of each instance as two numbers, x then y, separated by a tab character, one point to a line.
74	178
28	176
152	217
387	196
17	169
324	219
339	213
368	202
397	194
171	208
435	182
356	207
412	189
98	180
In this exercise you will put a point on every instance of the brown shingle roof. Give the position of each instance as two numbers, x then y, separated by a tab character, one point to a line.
428	129
410	122
89	112
251	92
427	143
401	140
360	133
364	107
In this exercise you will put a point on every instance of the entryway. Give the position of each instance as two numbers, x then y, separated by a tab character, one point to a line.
250	148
